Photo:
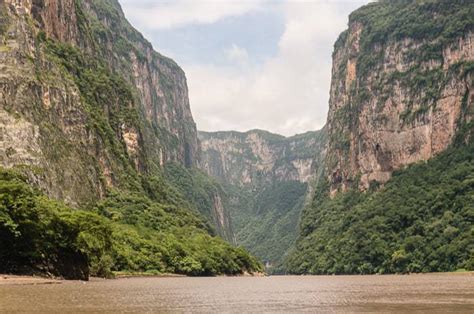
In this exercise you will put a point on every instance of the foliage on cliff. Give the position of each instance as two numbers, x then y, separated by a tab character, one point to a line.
124	232
203	194
266	218
385	21
106	112
264	178
420	221
400	93
3	20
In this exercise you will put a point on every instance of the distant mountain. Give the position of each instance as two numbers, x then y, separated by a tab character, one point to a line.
265	177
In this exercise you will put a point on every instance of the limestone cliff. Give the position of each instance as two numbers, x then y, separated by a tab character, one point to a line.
87	106
266	178
259	156
85	103
401	88
398	168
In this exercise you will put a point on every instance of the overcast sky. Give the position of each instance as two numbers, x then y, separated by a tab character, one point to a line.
249	63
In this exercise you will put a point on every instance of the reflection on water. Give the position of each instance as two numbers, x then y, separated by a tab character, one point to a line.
430	293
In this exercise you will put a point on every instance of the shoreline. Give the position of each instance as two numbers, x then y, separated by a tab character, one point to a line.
9	279
14	279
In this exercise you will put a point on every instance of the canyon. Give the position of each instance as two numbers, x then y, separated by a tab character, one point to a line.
266	178
97	123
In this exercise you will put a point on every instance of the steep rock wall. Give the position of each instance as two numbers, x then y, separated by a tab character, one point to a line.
399	158
398	95
266	178
85	103
259	156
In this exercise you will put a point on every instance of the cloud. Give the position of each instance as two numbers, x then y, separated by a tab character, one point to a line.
286	92
289	92
161	14
237	54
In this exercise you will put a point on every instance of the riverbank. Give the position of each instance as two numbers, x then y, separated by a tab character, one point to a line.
7	279
27	280
121	274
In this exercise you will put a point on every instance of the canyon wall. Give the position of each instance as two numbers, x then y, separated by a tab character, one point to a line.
260	156
87	106
266	178
399	94
398	168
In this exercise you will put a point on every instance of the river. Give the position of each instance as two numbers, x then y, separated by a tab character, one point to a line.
390	293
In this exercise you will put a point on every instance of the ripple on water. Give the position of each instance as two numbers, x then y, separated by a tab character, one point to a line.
391	293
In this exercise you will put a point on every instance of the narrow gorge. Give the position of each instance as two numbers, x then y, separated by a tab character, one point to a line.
266	178
103	170
401	102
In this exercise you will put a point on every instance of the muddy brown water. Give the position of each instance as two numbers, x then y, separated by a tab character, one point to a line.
439	293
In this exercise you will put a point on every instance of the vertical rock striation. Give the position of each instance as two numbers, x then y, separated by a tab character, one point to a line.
266	178
398	94
77	142
260	156
398	167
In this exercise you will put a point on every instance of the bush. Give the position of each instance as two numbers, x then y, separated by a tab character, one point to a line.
38	234
125	232
420	221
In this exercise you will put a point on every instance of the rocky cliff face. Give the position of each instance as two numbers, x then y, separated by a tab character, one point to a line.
400	142
87	106
398	94
259	156
265	177
85	103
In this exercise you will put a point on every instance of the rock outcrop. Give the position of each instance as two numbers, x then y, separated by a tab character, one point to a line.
77	142
398	95
258	156
87	106
401	100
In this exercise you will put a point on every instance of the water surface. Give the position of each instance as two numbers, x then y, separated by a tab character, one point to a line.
394	293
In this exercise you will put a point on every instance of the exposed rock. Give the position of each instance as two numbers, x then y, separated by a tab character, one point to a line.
391	105
266	178
46	118
222	219
259	156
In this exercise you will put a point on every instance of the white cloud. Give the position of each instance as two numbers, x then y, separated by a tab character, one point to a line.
289	93
165	14
236	54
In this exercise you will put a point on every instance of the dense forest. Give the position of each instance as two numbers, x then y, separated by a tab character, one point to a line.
99	161
265	179
420	221
397	194
124	232
266	218
102	179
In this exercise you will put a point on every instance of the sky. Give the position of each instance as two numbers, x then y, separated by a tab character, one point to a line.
250	64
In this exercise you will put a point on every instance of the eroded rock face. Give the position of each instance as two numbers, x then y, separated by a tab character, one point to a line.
266	179
259	156
45	115
395	105
222	219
